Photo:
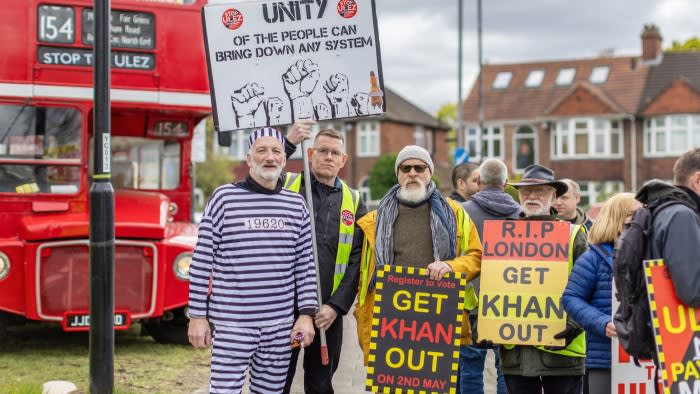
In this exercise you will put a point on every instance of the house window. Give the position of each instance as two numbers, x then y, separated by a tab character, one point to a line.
423	138
491	142
502	80
471	139
534	78
565	76
368	139
239	144
593	191
587	138
419	136
364	190
429	142
599	74
524	148
671	135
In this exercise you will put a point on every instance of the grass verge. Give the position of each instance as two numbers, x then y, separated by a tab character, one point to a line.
33	354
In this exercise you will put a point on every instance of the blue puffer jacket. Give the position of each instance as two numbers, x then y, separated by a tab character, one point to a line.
588	299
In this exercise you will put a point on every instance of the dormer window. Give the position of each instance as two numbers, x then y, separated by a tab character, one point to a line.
534	79
565	76
599	74
502	80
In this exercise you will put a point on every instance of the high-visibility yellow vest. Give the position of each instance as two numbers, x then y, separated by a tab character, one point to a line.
577	347
346	232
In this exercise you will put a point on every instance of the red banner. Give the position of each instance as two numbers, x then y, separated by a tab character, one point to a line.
677	332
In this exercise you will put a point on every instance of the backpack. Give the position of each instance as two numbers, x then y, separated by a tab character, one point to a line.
633	319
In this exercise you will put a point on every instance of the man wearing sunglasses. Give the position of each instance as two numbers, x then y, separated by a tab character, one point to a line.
339	244
414	226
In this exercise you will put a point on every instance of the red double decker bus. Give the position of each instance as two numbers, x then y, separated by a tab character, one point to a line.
159	95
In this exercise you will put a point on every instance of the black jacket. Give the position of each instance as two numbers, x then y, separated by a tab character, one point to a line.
676	237
327	201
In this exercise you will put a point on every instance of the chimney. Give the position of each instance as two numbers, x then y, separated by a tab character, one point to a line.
651	44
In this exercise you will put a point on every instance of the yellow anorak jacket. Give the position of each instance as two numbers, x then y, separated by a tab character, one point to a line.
468	261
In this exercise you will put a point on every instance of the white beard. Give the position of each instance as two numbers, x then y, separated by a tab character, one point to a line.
264	174
415	194
542	210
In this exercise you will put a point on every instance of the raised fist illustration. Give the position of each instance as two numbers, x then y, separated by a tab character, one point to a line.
337	92
245	103
300	79
322	112
273	110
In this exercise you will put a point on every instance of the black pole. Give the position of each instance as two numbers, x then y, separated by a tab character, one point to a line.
479	153
460	116
102	217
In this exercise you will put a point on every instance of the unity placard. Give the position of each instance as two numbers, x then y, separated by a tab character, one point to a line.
272	63
524	269
416	326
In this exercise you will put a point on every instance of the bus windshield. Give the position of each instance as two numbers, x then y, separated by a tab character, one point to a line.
35	142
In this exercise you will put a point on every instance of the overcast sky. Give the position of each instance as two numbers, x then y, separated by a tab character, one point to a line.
418	38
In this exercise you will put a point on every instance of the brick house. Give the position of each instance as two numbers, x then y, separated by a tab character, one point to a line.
368	138
610	122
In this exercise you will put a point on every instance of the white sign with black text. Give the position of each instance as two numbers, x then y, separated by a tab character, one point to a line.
626	376
272	62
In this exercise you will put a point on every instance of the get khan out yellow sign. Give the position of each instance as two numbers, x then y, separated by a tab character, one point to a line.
524	270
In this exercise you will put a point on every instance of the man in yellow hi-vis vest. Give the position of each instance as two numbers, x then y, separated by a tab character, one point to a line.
547	369
339	243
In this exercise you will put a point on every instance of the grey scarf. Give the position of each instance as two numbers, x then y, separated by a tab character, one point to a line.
443	227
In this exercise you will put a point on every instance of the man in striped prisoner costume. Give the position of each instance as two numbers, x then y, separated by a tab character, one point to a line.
339	245
254	244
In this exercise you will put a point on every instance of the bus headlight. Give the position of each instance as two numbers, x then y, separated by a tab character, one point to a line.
4	265
182	265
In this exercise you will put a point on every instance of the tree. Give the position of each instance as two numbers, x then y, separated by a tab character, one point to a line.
447	114
382	176
691	44
216	170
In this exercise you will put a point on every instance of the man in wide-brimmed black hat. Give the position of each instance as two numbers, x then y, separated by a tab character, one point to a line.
546	369
538	189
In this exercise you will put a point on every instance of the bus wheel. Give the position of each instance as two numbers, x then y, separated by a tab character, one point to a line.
171	328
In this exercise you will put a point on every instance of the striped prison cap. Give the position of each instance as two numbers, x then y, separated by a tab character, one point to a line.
265	132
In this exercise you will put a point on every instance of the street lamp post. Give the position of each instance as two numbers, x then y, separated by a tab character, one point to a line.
102	217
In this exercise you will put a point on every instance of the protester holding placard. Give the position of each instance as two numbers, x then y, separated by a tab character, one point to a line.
588	294
339	244
547	369
414	226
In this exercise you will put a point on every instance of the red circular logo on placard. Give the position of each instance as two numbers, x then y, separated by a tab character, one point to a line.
348	217
232	18
347	8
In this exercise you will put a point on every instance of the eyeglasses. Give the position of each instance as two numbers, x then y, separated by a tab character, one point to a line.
324	152
420	168
539	192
